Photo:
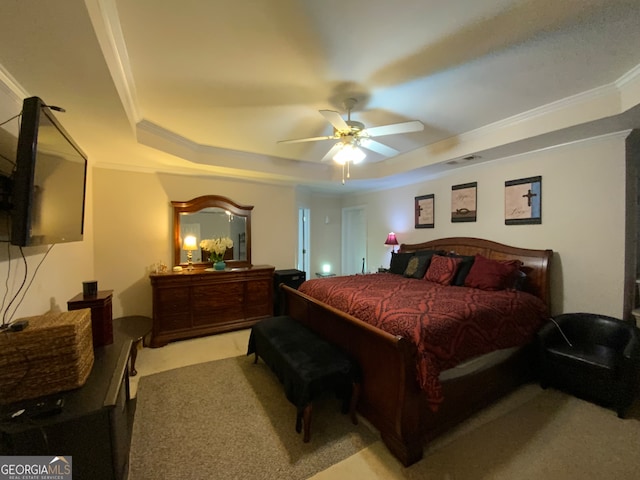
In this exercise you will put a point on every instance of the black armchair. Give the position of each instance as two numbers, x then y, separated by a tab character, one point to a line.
592	356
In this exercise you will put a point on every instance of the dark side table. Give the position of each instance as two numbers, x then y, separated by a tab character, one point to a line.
94	424
101	315
135	328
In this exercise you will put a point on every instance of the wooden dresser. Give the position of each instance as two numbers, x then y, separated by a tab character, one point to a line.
195	303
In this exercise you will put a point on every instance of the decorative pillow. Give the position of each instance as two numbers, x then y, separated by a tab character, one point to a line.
517	281
442	269
399	262
428	254
487	274
416	267
463	269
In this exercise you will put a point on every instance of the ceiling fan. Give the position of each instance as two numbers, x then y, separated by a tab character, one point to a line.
352	135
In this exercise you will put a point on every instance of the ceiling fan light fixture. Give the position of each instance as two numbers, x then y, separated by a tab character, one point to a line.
349	153
352	135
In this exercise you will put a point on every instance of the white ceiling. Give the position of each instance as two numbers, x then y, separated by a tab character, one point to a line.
208	87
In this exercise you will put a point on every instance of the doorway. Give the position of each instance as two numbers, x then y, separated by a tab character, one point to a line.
303	241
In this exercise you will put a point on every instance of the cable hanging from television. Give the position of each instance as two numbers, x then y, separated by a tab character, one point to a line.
9	119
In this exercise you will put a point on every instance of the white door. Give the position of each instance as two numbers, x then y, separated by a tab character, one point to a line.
354	240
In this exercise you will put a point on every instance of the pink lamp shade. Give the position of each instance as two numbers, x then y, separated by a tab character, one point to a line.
391	239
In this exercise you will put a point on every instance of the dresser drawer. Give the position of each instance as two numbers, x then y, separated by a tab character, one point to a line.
172	301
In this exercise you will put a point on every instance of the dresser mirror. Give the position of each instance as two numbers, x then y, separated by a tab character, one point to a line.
212	216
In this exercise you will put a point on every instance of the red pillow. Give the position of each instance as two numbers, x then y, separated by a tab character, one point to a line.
487	274
442	269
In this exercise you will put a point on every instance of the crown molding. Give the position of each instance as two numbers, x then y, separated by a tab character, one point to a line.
229	161
578	100
106	24
11	86
614	89
631	76
629	86
596	104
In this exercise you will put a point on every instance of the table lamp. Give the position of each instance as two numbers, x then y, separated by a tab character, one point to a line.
392	241
190	244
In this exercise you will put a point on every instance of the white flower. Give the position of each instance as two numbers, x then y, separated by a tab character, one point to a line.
216	247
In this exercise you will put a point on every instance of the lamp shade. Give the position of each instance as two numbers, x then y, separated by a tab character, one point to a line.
391	239
190	243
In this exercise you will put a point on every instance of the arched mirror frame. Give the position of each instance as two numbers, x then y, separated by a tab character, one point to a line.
209	201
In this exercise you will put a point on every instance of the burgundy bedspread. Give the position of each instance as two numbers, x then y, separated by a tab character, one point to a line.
447	324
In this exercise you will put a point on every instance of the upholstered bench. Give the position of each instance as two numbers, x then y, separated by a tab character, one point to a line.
306	365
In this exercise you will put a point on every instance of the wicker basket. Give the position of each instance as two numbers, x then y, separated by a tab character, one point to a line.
54	353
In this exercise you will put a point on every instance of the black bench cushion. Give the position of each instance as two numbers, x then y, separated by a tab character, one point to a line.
306	364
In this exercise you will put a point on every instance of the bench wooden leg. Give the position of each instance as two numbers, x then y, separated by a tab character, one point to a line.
307	423
303	420
134	355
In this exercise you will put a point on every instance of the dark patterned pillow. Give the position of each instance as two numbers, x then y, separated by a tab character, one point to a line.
463	269
399	262
416	267
517	281
428	254
487	274
442	269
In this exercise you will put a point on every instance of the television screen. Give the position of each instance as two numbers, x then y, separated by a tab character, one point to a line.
49	181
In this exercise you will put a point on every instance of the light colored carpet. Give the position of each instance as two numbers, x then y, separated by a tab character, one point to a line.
229	419
530	434
537	434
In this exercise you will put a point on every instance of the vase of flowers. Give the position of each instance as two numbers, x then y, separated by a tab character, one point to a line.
217	247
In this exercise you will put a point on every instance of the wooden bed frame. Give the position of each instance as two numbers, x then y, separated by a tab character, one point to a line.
390	397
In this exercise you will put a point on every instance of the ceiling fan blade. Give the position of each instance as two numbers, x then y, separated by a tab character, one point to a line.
378	147
404	127
331	153
336	120
310	139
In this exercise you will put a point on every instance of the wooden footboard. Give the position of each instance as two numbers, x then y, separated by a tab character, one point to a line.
390	398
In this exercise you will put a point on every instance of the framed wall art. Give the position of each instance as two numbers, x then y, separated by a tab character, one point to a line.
464	202
424	210
523	201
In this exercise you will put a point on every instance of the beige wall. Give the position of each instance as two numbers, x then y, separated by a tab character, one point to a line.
582	217
133	227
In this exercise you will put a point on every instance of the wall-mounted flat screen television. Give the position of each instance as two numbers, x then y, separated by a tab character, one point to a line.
49	183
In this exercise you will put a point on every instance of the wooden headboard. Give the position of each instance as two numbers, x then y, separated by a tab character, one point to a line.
536	263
